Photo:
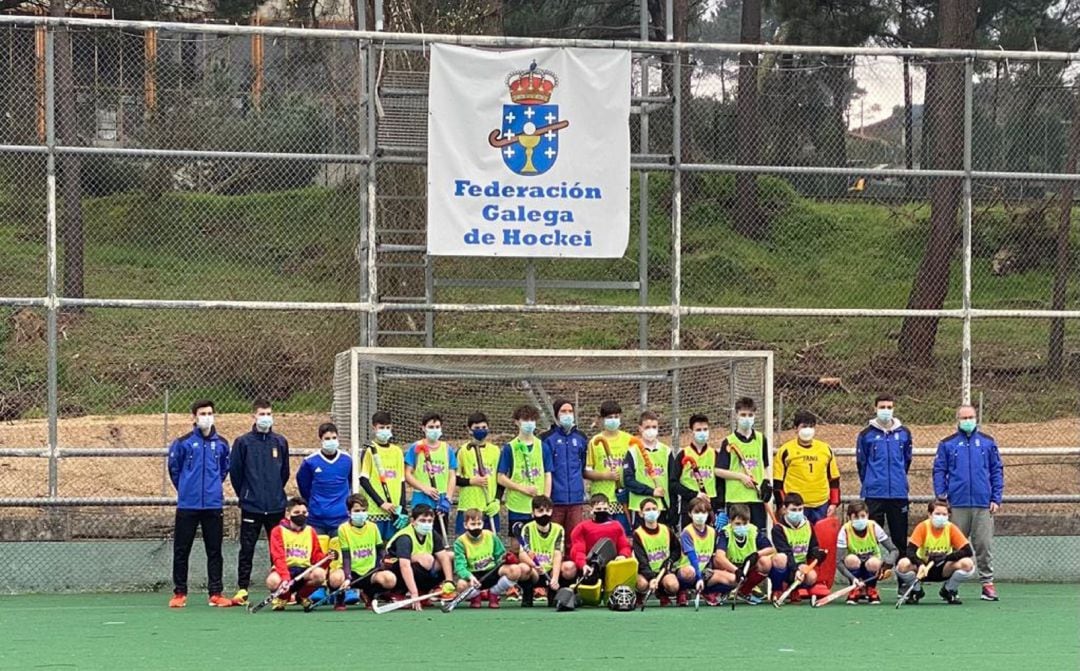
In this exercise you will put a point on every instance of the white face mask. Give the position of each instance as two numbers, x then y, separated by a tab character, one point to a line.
806	434
746	423
939	521
884	415
264	422
330	446
700	518
612	423
205	422
650	434
384	435
433	434
701	437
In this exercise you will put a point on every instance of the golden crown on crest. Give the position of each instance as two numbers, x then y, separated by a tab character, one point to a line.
532	86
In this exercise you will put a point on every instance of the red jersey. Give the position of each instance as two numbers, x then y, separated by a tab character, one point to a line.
290	548
586	535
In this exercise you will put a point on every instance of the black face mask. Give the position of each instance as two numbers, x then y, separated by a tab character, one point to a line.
475	533
543	520
298	520
601	516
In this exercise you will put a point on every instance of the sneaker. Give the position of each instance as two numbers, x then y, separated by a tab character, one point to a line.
748	599
240	598
220	602
340	607
872	596
682	599
916	596
476	601
711	599
513	594
493	601
950	597
306	603
278	604
665	601
853	597
178	601
538	592
989	593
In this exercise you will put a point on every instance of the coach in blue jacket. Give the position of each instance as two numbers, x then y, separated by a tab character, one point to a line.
259	471
568	446
198	464
883	458
968	473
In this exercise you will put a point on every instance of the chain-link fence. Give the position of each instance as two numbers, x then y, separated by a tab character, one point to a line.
215	211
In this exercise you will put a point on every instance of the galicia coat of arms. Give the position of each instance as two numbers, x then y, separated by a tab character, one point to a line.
529	137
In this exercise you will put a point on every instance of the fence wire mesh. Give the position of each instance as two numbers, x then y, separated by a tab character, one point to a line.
196	165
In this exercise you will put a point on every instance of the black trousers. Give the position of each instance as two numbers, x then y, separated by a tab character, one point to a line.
892	515
251	526
213	529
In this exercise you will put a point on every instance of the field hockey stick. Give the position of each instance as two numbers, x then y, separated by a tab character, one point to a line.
339	591
382	608
467	593
824	601
483	473
911	588
401	518
757	485
799	577
687	460
731	595
649	468
532	559
659	576
429	468
285	587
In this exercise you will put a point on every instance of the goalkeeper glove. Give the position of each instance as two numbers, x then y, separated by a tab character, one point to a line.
444	505
721	520
817	554
402	520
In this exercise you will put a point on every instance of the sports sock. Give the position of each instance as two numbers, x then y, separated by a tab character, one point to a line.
778	578
502	586
953	583
905	579
752	581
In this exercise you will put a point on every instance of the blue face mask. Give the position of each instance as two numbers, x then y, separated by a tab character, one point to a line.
612	423
860	523
795	517
701	437
567	421
424	528
384	435
528	427
740	530
433	434
330	446
358	519
479	434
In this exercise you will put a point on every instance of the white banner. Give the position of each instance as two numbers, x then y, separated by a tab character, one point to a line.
528	152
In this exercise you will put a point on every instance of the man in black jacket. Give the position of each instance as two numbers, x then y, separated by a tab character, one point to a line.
259	471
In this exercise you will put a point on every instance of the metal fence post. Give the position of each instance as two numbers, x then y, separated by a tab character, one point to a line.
363	149
52	302
372	174
965	346
676	204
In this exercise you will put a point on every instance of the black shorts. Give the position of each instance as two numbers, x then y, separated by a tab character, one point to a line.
935	573
425	580
487	579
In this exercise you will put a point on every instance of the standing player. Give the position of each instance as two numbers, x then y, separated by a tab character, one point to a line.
694	472
806	466
524	470
382	476
883	453
647	466
295	546
198	465
477	555
864	552
477	481
259	471
418	554
603	464
743	550
937	552
542	542
361	552
324	482
796	546
429	468
657	551
743	464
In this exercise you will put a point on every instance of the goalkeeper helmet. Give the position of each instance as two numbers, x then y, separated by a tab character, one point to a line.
622	598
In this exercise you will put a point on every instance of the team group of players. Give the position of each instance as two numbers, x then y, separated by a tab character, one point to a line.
694	518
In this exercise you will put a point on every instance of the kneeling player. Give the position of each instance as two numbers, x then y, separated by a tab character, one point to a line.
541	553
477	555
859	549
744	553
936	551
417	555
796	545
294	547
698	562
656	550
361	552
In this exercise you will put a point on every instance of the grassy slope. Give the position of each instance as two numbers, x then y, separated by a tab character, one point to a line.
299	246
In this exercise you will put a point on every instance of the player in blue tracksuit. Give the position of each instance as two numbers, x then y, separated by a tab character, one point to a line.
968	473
325	481
198	465
883	457
568	448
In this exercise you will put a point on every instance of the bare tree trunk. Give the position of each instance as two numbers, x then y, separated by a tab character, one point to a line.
944	115
1055	358
70	179
748	220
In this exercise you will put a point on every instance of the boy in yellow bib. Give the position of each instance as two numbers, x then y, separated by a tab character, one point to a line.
478	554
361	552
743	552
418	554
937	551
657	551
542	555
294	547
524	470
647	467
477	480
382	476
697	567
864	552
604	461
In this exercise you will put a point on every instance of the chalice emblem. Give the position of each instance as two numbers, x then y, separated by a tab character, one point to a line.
529	137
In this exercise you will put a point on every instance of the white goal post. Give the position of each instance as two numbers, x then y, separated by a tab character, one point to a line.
407	382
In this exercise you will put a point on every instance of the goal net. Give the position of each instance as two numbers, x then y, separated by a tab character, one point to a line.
408	382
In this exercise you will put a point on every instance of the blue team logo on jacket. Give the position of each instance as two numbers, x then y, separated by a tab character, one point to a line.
528	138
